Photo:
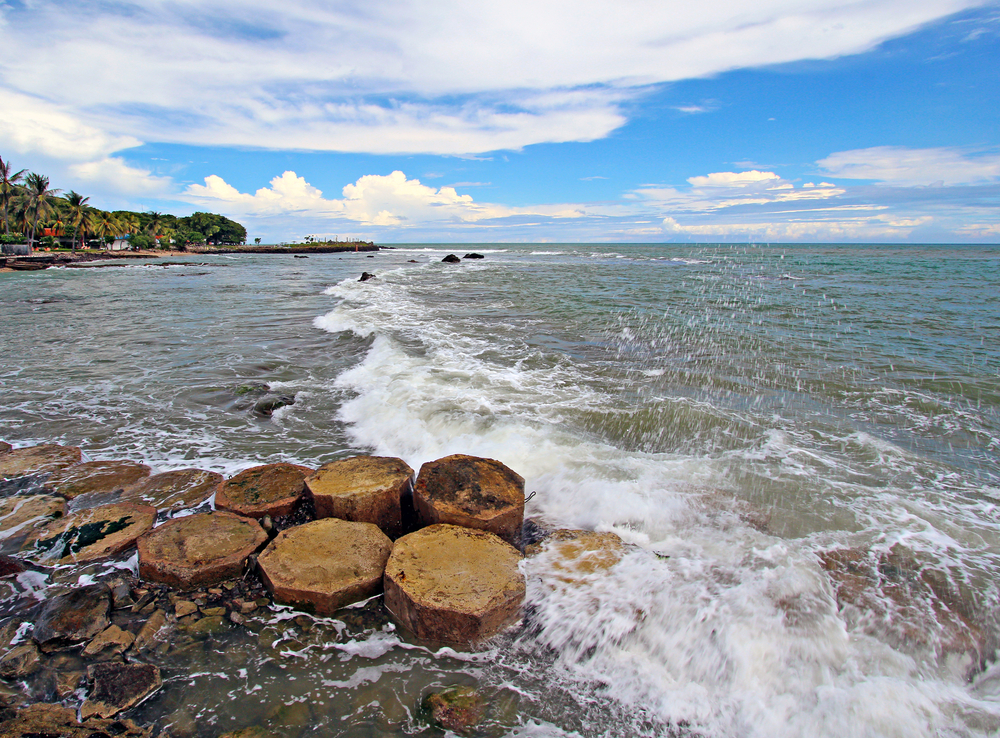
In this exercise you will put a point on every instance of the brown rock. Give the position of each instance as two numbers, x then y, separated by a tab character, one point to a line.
96	477
20	661
254	731
111	640
576	555
458	709
19	515
43	459
326	564
116	687
471	492
4	447
272	489
199	550
10	566
77	615
363	489
453	584
66	683
98	533
181	489
149	631
55	721
183	608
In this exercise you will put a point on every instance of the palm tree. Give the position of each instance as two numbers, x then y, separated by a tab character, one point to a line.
38	201
8	188
106	224
77	207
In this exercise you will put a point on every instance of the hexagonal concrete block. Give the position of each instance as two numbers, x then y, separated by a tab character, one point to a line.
454	584
96	477
98	533
43	459
271	489
364	489
326	564
471	492
199	550
181	489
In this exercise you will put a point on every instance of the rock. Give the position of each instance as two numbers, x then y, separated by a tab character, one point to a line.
473	256
98	533
116	687
254	731
182	489
458	709
454	584
301	256
4	447
183	608
365	276
251	388
77	615
207	626
65	683
471	492
96	477
451	259
10	566
576	555
199	550
413	261
111	640
20	661
150	630
43	459
267	404
54	721
272	489
364	489
326	564
21	514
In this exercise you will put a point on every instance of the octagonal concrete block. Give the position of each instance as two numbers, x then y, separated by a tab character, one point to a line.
96	477
271	489
98	533
43	459
363	489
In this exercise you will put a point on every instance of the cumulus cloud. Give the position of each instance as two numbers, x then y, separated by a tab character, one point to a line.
902	166
113	174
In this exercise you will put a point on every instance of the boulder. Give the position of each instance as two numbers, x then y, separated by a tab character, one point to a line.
100	477
116	687
43	459
574	556
473	255
267	404
111	640
19	515
454	584
56	721
458	709
77	615
181	489
4	447
98	533
272	489
364	489
451	259
251	388
471	492
326	564
365	276
199	550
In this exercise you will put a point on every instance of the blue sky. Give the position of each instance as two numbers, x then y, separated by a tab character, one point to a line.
726	120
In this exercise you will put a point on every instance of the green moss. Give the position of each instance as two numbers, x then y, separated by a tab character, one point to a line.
75	538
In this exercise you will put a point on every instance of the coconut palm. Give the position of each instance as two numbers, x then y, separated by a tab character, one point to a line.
8	189
105	224
39	201
76	206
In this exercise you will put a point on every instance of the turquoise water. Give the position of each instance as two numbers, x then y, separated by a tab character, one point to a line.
733	412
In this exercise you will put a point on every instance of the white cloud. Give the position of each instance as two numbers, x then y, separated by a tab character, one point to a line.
734	179
901	166
114	175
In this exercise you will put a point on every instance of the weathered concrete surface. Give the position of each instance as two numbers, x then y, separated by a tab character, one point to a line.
364	489
55	721
182	489
272	489
454	584
116	687
575	556
98	533
471	492
326	564
43	459
77	615
96	477
199	550
21	514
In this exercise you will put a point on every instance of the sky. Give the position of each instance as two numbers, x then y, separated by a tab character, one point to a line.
538	121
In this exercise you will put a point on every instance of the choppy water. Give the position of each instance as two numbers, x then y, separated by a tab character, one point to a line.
732	411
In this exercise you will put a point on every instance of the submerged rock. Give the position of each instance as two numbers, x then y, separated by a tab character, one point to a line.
267	404
21	514
576	555
272	489
365	276
111	640
55	721
77	615
451	259
458	709
97	533
99	477
473	255
326	564
251	388
199	550
454	584
471	492
21	468
116	687
363	489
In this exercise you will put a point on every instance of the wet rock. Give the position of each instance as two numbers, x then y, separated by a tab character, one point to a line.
458	709
451	259
183	608
65	683
207	626
10	566
454	584
43	459
365	276
326	564
77	615
54	721
149	633
576	555
471	492
4	447
21	514
88	535
363	489
473	256
182	489
296	716
199	550
267	404
413	261
116	687
20	661
112	640
96	477
272	489
254	731
251	388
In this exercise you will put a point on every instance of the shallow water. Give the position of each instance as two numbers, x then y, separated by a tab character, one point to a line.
731	411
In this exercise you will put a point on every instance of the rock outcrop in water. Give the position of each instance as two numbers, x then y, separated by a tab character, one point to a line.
451	259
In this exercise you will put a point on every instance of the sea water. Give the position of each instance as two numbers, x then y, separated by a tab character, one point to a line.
733	413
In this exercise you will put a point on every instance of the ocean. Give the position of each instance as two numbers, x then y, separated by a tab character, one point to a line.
799	443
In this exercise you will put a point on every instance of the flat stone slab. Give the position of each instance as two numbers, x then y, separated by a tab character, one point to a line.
272	489
116	687
364	489
199	550
20	515
98	533
44	719
96	477
326	564
576	556
471	492
43	459
4	447
181	489
77	615
454	584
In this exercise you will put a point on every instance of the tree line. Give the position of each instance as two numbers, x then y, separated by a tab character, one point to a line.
33	212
